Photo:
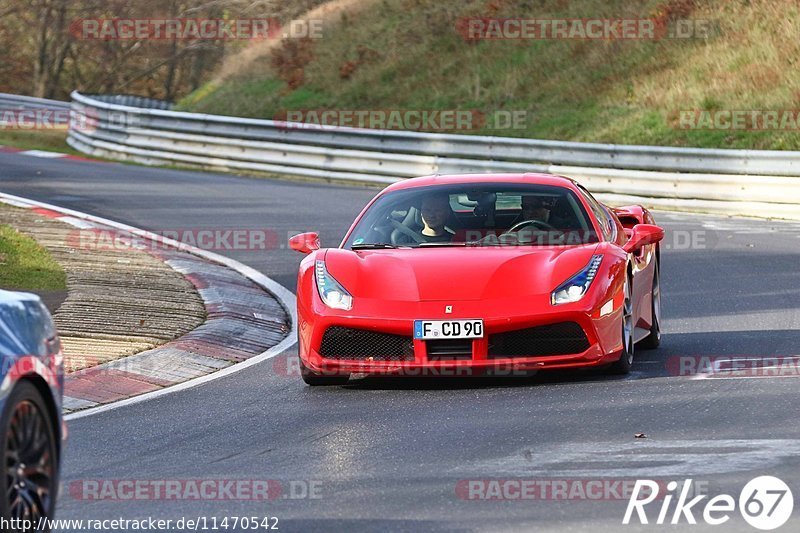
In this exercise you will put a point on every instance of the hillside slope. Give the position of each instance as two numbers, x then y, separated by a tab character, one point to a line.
410	55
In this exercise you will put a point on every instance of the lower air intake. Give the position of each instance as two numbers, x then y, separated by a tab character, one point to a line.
565	338
360	344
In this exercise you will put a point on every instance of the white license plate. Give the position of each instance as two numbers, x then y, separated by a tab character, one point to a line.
448	329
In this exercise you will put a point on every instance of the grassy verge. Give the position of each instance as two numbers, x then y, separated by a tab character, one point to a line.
48	140
409	55
24	265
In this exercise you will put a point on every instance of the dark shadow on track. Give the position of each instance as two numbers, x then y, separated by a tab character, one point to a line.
665	362
455	382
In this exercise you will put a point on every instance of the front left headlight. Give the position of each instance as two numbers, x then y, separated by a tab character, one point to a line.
576	287
331	291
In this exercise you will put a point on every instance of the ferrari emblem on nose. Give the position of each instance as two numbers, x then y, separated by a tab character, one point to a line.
448	309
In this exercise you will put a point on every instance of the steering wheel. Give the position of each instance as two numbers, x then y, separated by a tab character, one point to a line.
541	224
408	232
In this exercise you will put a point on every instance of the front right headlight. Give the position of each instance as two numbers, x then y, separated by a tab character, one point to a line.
576	287
331	291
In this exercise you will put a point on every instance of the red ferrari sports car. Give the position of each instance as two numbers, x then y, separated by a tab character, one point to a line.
475	273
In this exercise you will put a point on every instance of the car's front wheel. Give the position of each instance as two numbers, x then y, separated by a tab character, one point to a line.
28	441
625	362
315	379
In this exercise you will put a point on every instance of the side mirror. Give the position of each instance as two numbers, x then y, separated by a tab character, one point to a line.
641	235
305	243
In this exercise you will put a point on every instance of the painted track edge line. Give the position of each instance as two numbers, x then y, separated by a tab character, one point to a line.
283	295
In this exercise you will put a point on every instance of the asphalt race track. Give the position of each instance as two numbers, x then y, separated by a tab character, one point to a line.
394	455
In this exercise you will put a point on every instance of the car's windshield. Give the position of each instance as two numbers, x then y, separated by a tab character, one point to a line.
474	214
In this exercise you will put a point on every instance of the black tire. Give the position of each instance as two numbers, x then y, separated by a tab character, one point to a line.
30	482
625	362
319	380
653	340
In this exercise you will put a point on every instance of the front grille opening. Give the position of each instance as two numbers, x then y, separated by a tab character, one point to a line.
565	338
449	349
360	344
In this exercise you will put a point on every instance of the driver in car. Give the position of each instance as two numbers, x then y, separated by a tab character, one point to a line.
435	211
535	208
532	224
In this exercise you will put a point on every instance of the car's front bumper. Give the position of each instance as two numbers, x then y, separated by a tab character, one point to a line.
603	340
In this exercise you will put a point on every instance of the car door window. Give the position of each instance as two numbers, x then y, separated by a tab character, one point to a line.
601	214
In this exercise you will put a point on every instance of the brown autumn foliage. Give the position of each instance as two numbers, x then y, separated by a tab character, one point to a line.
364	54
46	54
290	60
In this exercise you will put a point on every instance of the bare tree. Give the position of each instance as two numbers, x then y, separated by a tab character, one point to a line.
44	54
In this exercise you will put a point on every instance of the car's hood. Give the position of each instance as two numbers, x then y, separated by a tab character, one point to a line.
455	273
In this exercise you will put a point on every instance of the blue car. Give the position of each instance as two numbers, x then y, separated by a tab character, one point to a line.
31	392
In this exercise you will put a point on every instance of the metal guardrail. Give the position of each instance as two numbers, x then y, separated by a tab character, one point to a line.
56	111
132	101
16	101
757	182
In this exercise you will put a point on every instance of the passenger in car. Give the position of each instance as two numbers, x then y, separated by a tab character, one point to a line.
435	214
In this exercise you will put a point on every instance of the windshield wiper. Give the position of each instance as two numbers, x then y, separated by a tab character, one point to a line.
372	246
441	244
387	246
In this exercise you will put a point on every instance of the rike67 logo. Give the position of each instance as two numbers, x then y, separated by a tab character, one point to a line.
765	503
